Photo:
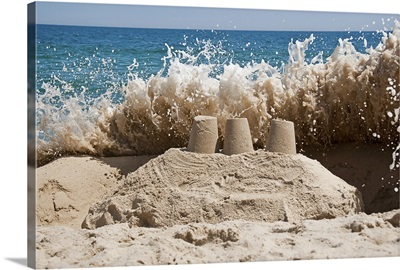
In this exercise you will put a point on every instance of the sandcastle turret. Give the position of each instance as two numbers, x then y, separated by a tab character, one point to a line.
237	137
204	135
281	137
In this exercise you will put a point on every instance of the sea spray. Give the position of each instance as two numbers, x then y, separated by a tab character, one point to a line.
347	98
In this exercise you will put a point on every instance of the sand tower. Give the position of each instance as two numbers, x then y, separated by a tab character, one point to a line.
204	135
281	137
237	136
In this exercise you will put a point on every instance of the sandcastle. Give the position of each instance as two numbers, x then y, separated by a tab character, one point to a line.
237	140
281	137
204	135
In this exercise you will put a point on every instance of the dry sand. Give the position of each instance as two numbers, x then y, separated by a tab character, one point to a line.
184	207
67	187
230	241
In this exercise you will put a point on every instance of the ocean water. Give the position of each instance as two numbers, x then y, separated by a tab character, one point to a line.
100	57
125	91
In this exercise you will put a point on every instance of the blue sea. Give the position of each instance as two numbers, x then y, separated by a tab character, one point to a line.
126	91
100	57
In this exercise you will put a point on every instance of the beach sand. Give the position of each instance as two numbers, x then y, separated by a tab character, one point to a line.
183	207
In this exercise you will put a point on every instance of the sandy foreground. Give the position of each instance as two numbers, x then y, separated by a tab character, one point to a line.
181	207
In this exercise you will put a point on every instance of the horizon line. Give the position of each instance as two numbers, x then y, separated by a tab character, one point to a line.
213	29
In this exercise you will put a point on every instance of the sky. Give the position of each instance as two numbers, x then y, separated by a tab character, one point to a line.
153	16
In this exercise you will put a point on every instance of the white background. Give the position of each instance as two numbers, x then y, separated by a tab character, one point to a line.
13	127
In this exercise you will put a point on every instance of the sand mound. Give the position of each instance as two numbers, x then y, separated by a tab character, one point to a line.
67	187
181	187
356	236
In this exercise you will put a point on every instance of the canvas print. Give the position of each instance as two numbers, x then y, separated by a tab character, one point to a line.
163	135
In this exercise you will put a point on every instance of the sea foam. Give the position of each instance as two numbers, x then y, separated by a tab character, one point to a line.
351	97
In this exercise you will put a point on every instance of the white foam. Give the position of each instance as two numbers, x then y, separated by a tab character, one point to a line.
351	97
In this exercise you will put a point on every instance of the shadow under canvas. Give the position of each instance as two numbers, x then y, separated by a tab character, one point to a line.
20	261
